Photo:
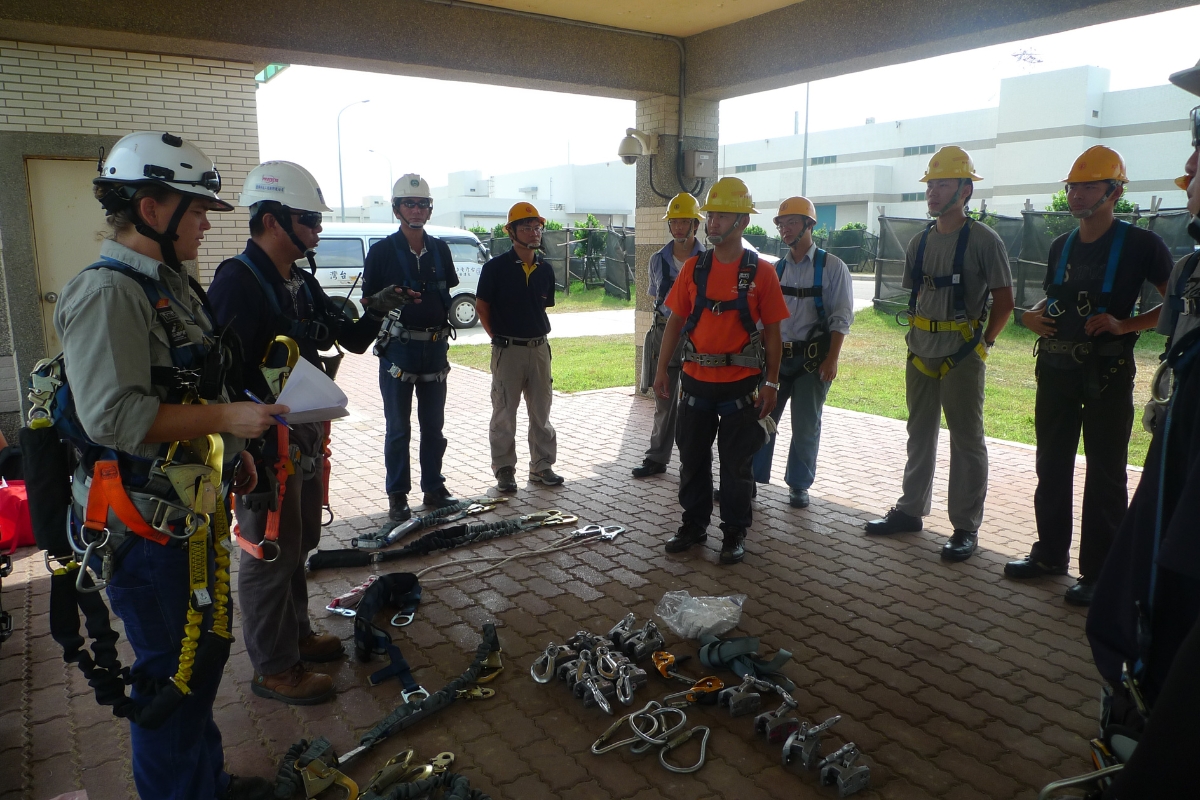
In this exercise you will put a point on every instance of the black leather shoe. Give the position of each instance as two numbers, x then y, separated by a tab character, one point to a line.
685	538
894	521
398	510
649	467
1033	567
506	480
1081	593
733	547
960	546
439	498
798	498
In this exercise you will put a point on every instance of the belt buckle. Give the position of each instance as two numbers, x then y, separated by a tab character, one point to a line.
787	349
1189	306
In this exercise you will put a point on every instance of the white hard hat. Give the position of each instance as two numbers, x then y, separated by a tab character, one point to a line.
411	185
283	182
159	158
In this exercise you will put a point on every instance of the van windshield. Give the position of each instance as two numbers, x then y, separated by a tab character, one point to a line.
468	252
338	253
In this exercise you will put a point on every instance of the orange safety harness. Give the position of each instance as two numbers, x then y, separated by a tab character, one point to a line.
108	493
284	466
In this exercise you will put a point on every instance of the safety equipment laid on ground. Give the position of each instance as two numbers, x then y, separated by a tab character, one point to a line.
411	185
693	617
971	329
345	604
454	536
283	182
752	355
392	532
741	656
1098	163
400	590
797	205
950	162
599	670
802	750
291	778
652	727
838	769
684	206
731	196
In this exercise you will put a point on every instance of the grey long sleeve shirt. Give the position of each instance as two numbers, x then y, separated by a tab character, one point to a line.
837	296
111	338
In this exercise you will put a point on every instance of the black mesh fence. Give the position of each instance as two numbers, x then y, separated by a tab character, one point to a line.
600	258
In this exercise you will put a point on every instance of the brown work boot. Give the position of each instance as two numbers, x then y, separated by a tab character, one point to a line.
318	647
296	686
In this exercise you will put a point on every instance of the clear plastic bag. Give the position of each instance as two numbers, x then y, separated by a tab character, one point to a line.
693	617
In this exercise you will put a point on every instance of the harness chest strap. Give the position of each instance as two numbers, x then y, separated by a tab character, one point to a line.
1084	306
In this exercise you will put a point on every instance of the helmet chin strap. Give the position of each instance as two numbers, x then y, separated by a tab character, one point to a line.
949	203
285	222
807	227
166	240
1087	212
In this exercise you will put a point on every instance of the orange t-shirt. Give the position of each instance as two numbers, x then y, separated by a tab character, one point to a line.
723	333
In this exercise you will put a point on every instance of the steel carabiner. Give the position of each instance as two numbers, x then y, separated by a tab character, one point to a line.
679	741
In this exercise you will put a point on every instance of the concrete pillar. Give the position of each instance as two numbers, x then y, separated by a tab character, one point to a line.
659	117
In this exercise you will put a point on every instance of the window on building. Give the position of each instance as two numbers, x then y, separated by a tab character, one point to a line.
911	197
823	160
746	168
920	150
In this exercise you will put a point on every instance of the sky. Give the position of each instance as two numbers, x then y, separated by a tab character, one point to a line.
434	127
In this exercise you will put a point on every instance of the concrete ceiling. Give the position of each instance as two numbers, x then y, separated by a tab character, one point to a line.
672	17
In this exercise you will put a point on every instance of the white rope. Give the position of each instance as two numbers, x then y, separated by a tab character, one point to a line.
553	547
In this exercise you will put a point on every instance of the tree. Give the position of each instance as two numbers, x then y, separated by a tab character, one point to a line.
551	225
580	234
498	232
854	226
755	230
1059	203
478	230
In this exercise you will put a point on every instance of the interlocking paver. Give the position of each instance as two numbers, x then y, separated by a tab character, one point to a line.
953	680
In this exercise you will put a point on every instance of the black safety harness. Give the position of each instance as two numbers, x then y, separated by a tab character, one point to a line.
752	355
393	330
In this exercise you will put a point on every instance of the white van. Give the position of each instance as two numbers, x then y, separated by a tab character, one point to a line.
343	250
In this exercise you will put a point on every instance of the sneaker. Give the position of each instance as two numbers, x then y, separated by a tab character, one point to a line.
685	538
320	647
296	686
547	476
798	498
439	498
649	467
960	546
894	521
248	789
506	480
733	547
1033	567
398	510
1081	593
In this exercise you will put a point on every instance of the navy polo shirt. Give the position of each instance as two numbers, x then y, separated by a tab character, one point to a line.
517	301
392	261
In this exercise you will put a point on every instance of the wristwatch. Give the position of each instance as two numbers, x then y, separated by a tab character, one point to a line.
770	385
990	344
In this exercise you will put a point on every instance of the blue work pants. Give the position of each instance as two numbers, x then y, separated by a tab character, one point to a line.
431	415
807	392
182	759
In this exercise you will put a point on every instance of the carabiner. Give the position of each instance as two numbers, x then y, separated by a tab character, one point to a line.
679	741
599	747
653	740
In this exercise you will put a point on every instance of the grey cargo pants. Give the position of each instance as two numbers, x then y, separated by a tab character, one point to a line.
518	370
666	412
960	395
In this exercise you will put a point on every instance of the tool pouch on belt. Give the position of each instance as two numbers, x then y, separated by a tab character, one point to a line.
47	482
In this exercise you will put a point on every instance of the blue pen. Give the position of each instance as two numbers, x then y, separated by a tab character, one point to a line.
275	417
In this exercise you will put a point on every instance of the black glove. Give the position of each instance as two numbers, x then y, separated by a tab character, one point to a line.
389	299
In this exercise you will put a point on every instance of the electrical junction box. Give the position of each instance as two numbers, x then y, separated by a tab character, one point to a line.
700	164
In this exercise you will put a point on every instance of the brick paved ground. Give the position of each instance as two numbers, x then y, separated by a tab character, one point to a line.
952	680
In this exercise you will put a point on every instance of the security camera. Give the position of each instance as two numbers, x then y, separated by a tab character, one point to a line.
635	145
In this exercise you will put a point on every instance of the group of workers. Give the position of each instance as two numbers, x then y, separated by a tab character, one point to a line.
180	422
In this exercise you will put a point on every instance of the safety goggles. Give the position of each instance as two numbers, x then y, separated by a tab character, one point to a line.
424	205
209	180
309	219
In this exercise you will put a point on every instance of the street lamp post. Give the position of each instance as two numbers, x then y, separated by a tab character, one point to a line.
385	158
341	186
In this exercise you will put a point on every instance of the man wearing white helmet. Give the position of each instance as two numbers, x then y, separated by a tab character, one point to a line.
413	345
259	295
683	221
140	351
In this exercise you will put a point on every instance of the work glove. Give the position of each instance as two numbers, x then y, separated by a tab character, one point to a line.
388	299
265	496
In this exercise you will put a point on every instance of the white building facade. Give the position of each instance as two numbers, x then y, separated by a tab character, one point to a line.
1022	148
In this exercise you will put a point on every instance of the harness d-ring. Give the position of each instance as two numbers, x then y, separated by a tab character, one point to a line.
403	618
904	317
679	741
1155	383
273	544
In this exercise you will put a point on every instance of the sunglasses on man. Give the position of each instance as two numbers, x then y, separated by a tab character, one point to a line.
407	202
309	219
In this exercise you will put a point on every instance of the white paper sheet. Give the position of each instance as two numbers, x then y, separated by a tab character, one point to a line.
312	396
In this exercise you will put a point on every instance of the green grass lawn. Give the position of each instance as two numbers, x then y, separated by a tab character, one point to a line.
581	299
870	374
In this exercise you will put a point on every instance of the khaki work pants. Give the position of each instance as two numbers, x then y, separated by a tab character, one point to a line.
519	371
960	395
662	439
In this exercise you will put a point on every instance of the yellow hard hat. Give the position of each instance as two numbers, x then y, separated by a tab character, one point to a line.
731	196
1098	163
523	211
950	162
797	205
1183	182
684	206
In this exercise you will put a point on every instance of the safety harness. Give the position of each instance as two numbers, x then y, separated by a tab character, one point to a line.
752	355
971	329
1184	305
811	352
184	503
316	330
401	590
741	656
393	330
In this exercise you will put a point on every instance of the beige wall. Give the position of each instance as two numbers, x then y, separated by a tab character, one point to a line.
54	89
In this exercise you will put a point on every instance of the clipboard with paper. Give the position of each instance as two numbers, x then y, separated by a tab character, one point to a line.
312	396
